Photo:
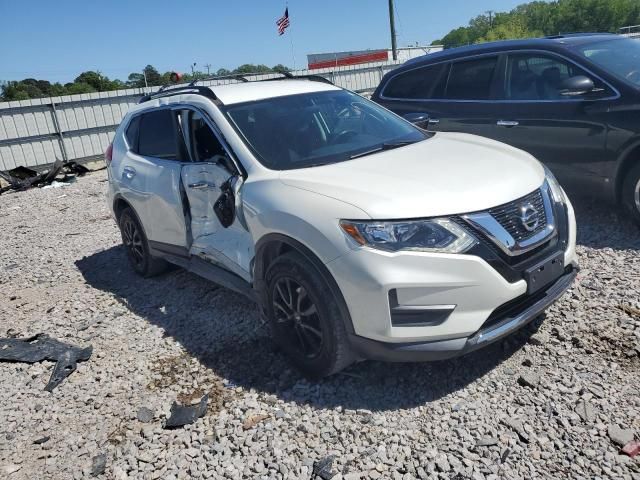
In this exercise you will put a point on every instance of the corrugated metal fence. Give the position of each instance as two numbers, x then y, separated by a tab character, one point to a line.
34	133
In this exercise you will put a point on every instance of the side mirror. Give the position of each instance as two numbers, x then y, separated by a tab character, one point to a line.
576	86
419	119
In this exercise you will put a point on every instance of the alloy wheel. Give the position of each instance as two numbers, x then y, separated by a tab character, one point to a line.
133	241
297	315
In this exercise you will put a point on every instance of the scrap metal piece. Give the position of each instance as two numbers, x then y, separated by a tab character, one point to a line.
323	468
42	347
186	414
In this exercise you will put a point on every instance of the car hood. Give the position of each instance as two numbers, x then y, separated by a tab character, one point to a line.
448	174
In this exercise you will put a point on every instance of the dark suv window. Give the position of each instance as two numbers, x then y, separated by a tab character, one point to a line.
157	135
422	83
471	80
532	76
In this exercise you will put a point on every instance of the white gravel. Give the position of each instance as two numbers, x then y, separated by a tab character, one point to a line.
545	404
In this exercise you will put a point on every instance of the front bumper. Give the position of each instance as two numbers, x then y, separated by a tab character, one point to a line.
513	319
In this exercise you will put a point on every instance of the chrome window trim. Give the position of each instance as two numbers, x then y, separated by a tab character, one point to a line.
505	52
489	226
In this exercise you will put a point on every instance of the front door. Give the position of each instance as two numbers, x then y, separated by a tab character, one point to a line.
566	133
213	189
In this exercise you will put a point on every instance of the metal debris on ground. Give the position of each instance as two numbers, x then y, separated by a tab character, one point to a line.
42	347
60	173
186	414
323	468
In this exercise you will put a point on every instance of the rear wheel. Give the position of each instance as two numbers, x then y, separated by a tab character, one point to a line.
137	246
631	193
304	316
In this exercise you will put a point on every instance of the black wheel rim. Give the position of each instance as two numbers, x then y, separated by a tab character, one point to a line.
133	242
297	316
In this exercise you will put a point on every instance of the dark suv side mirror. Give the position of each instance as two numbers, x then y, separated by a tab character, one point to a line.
419	119
576	86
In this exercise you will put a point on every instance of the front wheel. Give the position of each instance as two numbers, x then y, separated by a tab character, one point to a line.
305	319
631	193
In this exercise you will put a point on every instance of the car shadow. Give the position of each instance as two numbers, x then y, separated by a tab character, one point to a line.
223	331
603	225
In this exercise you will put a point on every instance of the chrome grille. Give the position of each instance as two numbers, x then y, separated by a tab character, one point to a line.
508	215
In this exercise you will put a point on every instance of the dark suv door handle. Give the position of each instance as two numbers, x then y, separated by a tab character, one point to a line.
507	123
129	172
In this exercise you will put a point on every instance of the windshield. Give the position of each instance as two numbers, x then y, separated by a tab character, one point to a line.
312	129
621	57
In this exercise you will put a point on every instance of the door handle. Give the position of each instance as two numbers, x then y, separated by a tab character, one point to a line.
129	172
434	121
201	186
507	123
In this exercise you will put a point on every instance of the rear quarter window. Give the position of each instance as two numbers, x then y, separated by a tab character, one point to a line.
132	133
421	83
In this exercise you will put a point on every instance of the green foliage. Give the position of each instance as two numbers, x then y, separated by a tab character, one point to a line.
538	18
91	81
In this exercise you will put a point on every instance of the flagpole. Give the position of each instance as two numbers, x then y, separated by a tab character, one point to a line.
293	55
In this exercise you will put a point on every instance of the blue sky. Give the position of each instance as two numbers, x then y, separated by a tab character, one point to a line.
56	40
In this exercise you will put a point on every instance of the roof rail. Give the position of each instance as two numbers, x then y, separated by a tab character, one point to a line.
166	91
576	34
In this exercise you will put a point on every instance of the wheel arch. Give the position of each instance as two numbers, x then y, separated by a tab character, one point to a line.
629	159
273	245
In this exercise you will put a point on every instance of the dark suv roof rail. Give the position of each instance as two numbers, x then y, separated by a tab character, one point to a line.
577	34
167	91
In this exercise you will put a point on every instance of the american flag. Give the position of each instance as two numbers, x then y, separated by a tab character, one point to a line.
283	22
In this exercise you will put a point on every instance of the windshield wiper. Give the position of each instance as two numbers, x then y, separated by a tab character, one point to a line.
384	146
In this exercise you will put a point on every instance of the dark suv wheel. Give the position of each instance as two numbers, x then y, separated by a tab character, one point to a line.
631	193
135	241
304	316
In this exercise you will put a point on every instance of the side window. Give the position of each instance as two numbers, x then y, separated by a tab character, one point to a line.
157	135
132	133
532	76
202	142
471	80
421	83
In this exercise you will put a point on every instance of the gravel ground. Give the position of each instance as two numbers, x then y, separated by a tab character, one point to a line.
550	402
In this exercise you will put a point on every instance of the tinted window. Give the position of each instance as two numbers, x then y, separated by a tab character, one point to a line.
132	133
203	143
532	76
421	83
312	129
157	136
471	80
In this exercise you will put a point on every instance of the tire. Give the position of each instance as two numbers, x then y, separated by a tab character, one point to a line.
137	246
304	316
631	193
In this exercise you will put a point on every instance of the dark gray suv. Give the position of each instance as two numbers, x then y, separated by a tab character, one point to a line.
571	101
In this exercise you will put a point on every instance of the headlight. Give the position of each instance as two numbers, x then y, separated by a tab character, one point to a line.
556	190
438	235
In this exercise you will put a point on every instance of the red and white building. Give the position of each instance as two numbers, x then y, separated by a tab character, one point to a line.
357	57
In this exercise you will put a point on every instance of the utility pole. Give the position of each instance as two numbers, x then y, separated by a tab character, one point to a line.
208	67
490	12
193	67
392	23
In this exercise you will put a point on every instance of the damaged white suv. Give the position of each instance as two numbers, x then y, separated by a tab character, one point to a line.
358	234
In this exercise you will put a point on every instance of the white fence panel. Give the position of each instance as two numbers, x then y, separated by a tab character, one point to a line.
32	132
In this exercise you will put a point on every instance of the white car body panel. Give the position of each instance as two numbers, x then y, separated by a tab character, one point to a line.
446	175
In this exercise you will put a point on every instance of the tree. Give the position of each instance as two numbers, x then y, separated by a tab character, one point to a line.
222	72
153	76
280	68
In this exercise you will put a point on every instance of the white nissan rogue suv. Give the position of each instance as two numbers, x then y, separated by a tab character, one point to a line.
357	233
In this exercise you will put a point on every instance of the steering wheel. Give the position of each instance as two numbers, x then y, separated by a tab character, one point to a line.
634	76
344	136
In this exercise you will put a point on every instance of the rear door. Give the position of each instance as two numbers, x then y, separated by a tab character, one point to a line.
152	171
213	187
457	95
568	133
